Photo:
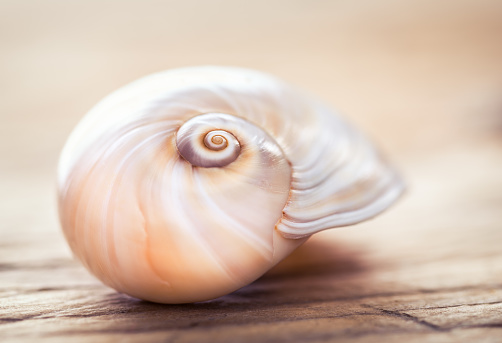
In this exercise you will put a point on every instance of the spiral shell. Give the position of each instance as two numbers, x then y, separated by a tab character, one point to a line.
189	184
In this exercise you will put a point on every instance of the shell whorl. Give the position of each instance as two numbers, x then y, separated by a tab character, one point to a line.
201	142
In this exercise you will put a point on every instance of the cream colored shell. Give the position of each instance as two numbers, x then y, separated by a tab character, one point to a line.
191	183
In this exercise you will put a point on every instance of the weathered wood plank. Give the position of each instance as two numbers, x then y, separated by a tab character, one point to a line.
424	83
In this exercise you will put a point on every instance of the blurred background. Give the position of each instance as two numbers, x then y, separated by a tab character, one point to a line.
422	78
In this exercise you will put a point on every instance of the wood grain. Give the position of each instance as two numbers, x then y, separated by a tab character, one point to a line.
422	78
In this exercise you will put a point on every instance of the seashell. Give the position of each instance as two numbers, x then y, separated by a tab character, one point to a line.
189	184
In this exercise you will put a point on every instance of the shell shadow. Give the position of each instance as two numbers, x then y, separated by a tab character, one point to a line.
319	270
319	258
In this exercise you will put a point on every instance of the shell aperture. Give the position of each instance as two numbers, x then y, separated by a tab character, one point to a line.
189	184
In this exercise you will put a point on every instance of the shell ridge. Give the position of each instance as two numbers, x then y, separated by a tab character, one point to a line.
124	166
297	229
178	199
264	246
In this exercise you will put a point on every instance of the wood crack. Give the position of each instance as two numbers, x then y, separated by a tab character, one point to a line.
452	306
409	317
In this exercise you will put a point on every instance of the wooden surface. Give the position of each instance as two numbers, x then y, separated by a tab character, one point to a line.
422	78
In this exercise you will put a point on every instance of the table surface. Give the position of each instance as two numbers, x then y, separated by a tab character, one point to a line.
422	78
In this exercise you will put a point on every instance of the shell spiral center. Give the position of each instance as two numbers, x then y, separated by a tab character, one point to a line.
204	142
217	140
